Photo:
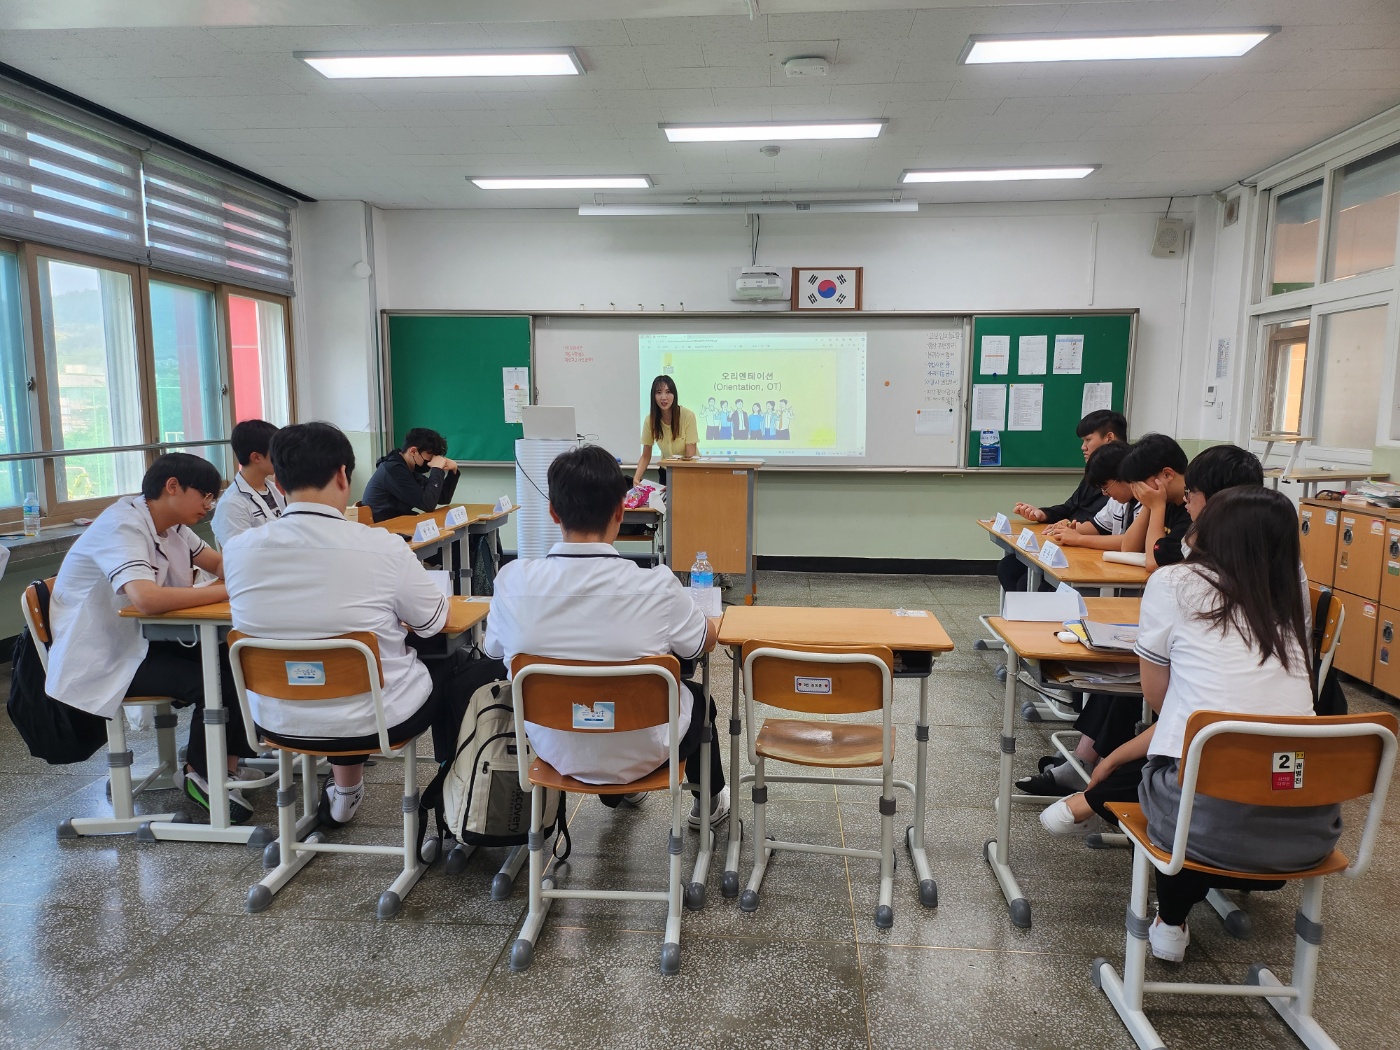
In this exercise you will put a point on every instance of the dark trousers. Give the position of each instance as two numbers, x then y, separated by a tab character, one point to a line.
690	748
173	670
1011	574
1109	721
435	714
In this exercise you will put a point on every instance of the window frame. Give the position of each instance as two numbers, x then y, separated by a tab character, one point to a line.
226	334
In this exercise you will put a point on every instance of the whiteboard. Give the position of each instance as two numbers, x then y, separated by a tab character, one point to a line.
915	372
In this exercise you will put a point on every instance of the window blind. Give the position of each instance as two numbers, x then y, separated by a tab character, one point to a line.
64	185
203	227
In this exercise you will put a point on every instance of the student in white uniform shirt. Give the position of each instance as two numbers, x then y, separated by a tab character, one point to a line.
312	574
141	552
585	601
252	499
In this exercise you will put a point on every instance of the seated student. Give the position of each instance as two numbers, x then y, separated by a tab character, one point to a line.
584	601
1106	722
312	574
142	552
252	499
1095	429
1225	630
1105	530
412	480
1155	467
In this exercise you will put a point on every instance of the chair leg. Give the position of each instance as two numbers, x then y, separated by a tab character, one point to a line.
1126	994
884	911
522	952
167	747
391	900
124	820
671	944
291	859
1297	1013
503	883
748	900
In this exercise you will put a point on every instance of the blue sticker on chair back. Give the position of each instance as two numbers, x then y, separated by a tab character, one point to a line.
306	672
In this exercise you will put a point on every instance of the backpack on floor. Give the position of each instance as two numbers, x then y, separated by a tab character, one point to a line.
476	794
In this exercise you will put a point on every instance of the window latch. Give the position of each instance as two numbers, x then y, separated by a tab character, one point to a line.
30	384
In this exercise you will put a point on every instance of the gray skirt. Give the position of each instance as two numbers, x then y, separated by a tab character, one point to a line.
1236	836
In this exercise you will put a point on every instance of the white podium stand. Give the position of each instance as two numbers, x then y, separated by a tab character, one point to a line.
535	532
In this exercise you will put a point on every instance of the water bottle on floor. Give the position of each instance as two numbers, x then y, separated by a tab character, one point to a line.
31	514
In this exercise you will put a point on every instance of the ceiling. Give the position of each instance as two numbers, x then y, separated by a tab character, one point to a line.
222	77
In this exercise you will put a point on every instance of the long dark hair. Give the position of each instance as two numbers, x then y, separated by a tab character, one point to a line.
1246	540
670	384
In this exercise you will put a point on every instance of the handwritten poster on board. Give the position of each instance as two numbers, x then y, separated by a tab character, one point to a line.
937	409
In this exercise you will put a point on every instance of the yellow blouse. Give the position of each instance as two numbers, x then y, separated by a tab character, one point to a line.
672	445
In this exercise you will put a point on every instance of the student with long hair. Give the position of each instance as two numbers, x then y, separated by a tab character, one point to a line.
667	425
1223	630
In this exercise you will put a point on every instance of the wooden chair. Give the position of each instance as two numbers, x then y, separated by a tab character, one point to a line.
821	680
332	669
636	695
34	603
1232	757
1329	614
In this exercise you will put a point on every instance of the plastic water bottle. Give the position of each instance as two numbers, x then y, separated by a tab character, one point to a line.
702	573
31	514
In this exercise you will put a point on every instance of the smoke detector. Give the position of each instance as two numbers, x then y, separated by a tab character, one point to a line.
814	66
770	151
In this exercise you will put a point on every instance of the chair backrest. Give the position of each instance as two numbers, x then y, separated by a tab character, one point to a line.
1289	761
309	669
363	514
1329	614
34	603
818	679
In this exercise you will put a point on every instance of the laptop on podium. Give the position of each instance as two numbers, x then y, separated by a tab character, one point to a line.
548	421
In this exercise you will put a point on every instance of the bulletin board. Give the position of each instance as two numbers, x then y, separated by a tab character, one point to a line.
1059	354
447	372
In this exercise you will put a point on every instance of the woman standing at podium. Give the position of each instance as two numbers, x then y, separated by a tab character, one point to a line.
667	425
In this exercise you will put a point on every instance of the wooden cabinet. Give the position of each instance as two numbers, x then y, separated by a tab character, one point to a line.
1356	652
1360	546
1317	535
1390	563
1385	674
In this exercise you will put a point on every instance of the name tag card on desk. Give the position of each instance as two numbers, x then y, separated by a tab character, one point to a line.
1051	556
1027	541
1002	525
426	530
503	505
456	518
1040	606
1075	596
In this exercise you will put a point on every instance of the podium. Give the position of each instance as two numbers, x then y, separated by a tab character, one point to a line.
710	509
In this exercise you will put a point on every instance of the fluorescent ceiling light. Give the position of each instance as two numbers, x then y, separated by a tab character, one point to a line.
565	182
522	62
775	132
998	174
752	208
1096	47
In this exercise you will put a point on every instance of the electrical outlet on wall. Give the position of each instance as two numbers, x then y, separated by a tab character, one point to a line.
1210	395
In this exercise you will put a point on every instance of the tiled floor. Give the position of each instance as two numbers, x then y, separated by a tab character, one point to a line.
111	943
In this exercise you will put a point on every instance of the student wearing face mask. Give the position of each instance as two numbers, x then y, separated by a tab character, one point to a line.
411	480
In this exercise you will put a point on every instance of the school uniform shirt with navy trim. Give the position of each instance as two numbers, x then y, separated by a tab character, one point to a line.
312	574
242	507
95	652
584	601
1115	518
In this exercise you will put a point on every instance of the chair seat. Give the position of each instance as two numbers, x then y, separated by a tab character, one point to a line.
832	745
297	750
544	775
1133	820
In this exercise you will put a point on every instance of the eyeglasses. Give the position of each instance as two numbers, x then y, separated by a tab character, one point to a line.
210	498
1188	493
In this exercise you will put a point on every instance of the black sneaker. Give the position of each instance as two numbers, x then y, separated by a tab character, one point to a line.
1042	784
197	788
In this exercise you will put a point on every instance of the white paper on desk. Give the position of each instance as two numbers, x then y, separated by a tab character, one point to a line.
1096	396
1030	355
988	406
515	384
1126	557
996	355
1069	355
707	600
1039	606
1027	404
1074	596
442	579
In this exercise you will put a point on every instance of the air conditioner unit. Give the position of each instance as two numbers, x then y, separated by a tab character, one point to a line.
760	284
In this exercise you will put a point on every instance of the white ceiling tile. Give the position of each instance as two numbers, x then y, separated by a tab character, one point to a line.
704	31
710	77
864	24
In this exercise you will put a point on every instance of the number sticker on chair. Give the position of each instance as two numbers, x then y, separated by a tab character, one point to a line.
599	716
306	672
1288	770
811	685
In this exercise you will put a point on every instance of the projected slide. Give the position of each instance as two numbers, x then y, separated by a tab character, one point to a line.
784	394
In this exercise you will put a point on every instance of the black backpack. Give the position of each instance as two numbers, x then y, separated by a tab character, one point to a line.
52	730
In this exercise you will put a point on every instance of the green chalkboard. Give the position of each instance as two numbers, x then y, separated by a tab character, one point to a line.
445	373
1107	354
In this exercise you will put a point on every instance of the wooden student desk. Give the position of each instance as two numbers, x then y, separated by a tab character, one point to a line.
1035	644
1311	477
648	520
482	518
915	641
464	614
1086	567
1008	544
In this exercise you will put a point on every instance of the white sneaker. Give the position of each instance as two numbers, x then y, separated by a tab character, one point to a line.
1168	942
719	809
246	778
1057	819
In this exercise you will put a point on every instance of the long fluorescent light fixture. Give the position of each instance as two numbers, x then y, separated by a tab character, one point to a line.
752	208
1111	45
998	174
565	182
775	131
514	62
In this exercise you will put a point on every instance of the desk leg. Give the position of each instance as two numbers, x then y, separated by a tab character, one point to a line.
995	851
1033	577
928	889
695	892
729	884
452	561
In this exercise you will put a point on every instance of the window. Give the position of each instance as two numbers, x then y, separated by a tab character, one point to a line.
1285	360
1350	362
16	478
1365	209
1297	224
258	345
93	379
185	352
